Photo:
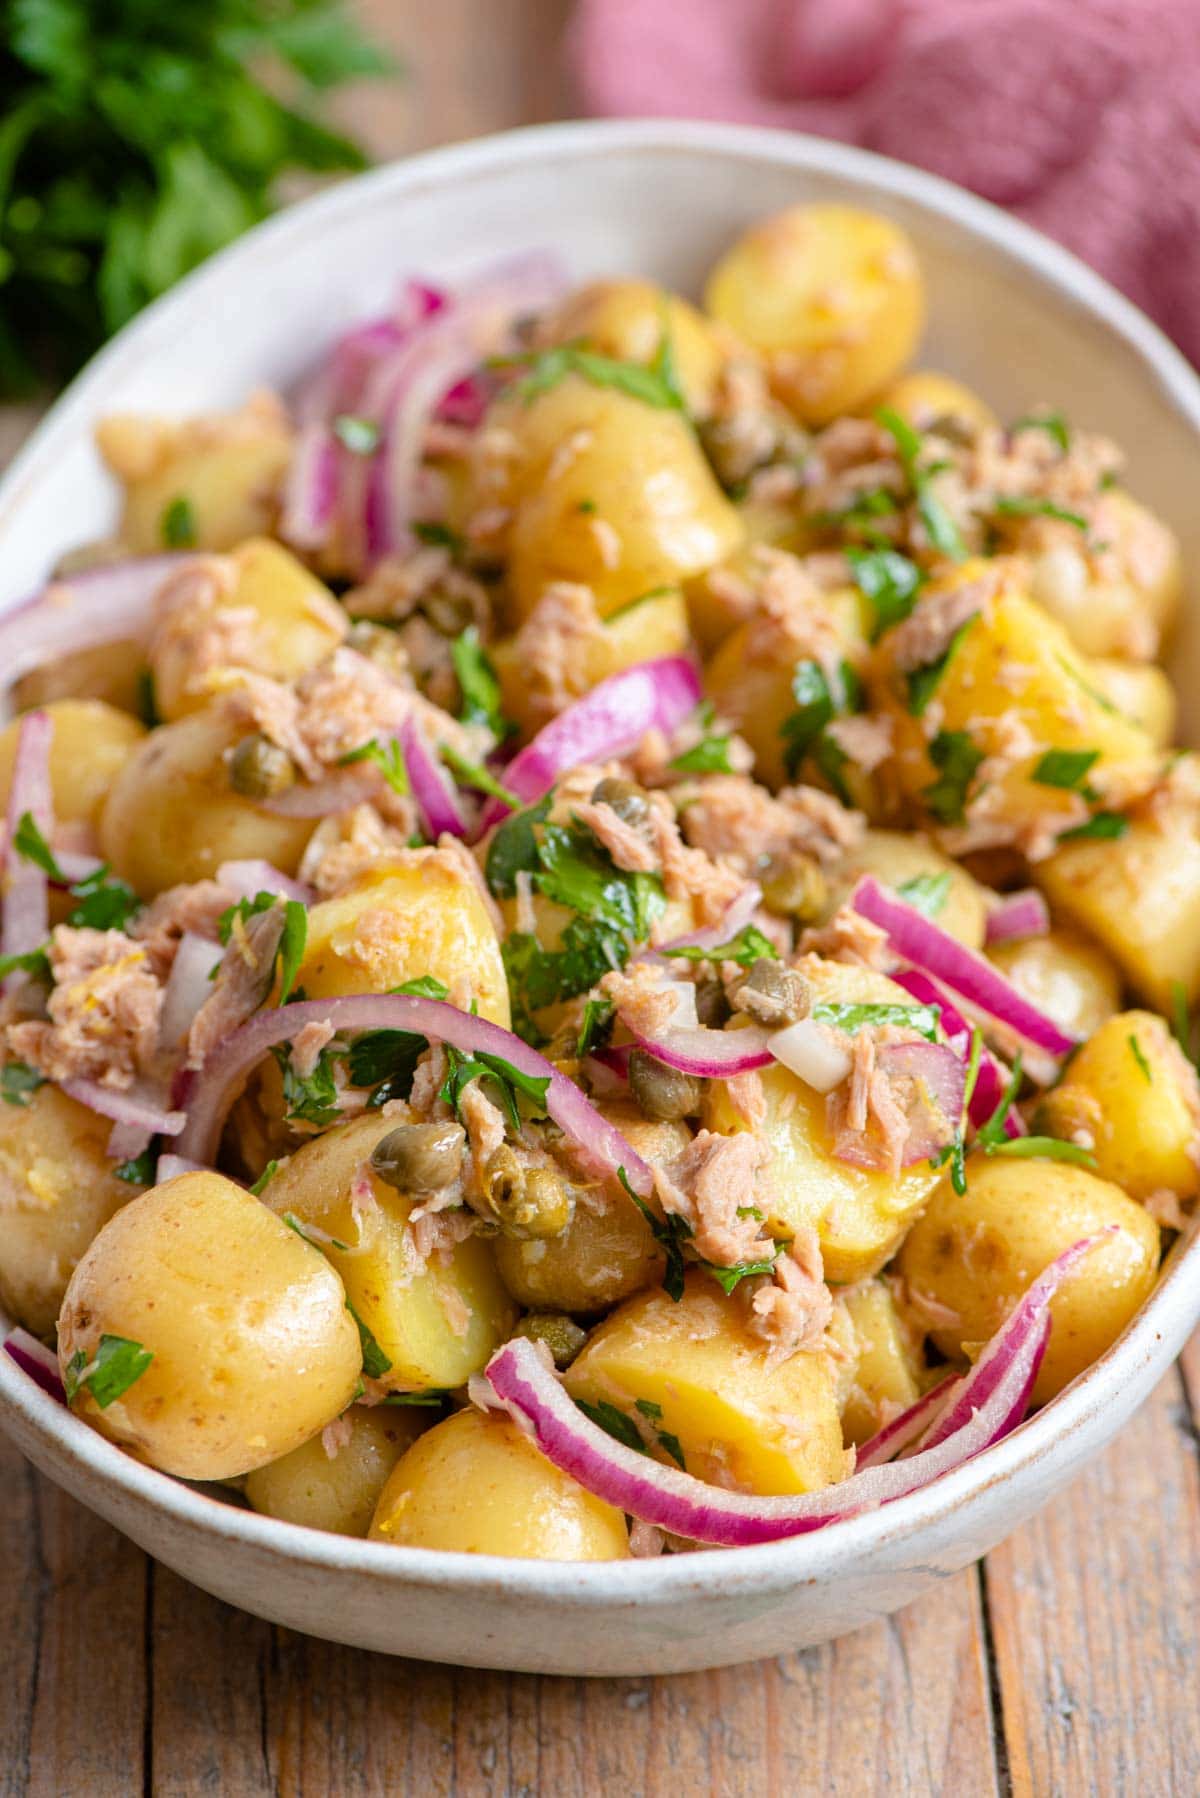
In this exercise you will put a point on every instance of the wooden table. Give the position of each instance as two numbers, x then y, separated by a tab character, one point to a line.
1064	1665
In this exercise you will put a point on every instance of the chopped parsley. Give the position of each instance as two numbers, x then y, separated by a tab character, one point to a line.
18	1082
34	962
139	1171
711	754
1139	1055
926	893
853	1018
747	947
1053	423
889	582
432	1395
118	1362
1042	1148
375	1362
670	1233
597	1017
861	513
1181	1019
32	846
728	1278
613	1421
264	1179
105	903
385	1060
820	698
178	524
147	706
462	1069
940	528
473	774
359	435
957	760
656	385
513	849
1102	827
387	756
437	535
478	684
309	1233
653	1411
309	1098
293	937
923	682
1065	768
1025	505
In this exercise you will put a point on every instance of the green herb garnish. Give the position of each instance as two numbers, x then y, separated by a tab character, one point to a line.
923	682
1053	423
889	582
670	1233
853	1018
139	1171
462	1069
479	685
117	1364
1026	506
360	436
654	386
926	893
18	1082
607	1417
387	756
1139	1055
1065	768
821	696
178	525
957	760
264	1179
309	1098
473	774
375	1362
940	528
1101	827
34	962
747	947
597	1016
711	754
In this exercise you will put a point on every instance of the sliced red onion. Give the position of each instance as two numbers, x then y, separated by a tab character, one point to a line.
35	1359
1021	914
341	792
607	1069
737	915
227	1067
171	1166
310	492
26	902
989	1080
811	1053
942	1075
466	402
432	788
993	1397
245	880
73	866
918	940
907	1427
710	1054
614	716
189	984
139	1110
102	605
127	1141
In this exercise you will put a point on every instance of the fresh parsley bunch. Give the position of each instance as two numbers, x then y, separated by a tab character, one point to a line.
136	137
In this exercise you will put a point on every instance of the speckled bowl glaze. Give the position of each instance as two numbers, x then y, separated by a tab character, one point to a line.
1009	313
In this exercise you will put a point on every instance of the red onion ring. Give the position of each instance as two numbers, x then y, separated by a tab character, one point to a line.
26	922
39	1362
245	880
710	1054
310	491
138	1110
1023	914
933	951
942	1074
740	910
227	1067
989	1081
189	984
432	788
906	1428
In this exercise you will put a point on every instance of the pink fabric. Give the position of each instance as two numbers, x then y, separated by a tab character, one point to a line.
1082	116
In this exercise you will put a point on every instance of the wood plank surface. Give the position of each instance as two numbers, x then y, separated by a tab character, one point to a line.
1064	1667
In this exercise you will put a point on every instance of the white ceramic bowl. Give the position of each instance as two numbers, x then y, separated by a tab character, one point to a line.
1009	313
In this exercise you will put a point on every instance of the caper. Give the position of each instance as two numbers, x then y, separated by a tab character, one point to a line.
259	768
624	797
561	1334
663	1092
712	1006
419	1157
774	994
526	1202
379	645
449	613
793	883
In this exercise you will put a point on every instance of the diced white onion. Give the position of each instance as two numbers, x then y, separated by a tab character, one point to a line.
811	1054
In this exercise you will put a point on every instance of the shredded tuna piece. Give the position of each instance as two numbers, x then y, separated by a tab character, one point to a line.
243	981
307	1047
866	1098
427	1082
731	817
342	848
643	996
646	1540
866	740
484	1123
708	1184
929	1312
197	631
103	1011
195	909
439	1233
629	847
556	648
336	1436
849	937
746	1096
792	621
927	631
1165	1208
690	873
794	1308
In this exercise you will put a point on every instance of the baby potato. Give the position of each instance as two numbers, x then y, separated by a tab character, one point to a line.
113	672
832	296
171	814
206	483
628	319
1011	692
417	913
886	1364
1138	895
1131	1094
338	1493
978	1251
91	743
928	399
607	1252
1142	691
859	1214
690	1371
1064	974
293	622
253	1348
610	492
57	1188
436	1323
900	858
476	1484
1117	600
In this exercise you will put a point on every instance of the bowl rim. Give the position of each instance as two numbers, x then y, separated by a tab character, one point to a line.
1166	1316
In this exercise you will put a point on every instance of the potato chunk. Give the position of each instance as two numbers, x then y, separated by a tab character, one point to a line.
691	1376
920	874
91	743
253	1348
435	1321
978	1251
1131	1094
1065	974
629	319
927	399
1142	691
477	1485
338	1490
831	295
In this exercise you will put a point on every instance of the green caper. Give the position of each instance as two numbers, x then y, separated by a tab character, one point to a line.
379	645
663	1092
419	1157
774	994
625	798
526	1202
792	883
259	769
561	1334
712	1005
449	613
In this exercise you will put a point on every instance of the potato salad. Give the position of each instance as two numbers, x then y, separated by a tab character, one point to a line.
600	918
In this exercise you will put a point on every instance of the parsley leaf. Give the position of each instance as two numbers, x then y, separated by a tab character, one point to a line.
360	436
264	1179
670	1233
1065	768
655	386
179	524
385	1060
473	774
711	754
926	893
18	1082
309	1098
387	756
940	528
513	849
820	697
32	846
613	1422
243	911
889	582
291	946
1139	1055
1053	423
139	1171
30	961
438	535
957	760
375	1362
105	903
1025	505
1102	827
481	703
923	682
462	1069
852	1018
597	1017
747	947
728	1278
1042	1148
118	1362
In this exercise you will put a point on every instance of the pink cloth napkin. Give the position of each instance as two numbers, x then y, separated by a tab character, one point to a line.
1082	116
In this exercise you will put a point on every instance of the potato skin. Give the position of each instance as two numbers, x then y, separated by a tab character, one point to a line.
57	1189
977	1252
338	1494
171	814
886	1367
1131	1089
436	1325
254	1349
1126	605
925	396
1065	974
91	743
896	856
112	672
475	1484
831	295
1142	691
738	1420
